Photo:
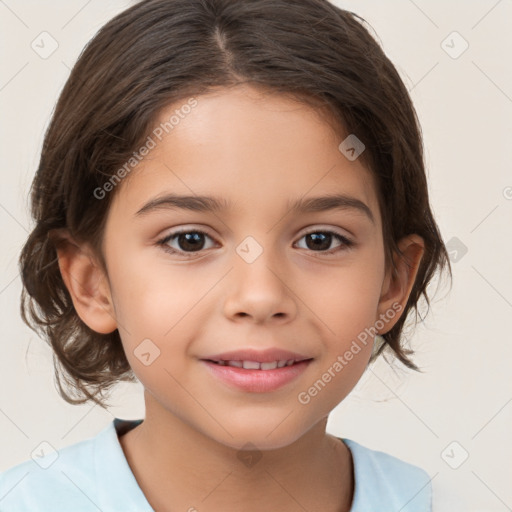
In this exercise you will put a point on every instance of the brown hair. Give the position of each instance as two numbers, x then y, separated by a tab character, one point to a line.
161	51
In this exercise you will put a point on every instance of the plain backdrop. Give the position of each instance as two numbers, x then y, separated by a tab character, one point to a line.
455	418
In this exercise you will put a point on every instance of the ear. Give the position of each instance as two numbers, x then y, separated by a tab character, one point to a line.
397	285
87	284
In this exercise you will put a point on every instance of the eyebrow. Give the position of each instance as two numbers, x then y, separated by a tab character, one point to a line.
213	204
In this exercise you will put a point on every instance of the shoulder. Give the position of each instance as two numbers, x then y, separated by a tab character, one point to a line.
87	476
383	481
54	480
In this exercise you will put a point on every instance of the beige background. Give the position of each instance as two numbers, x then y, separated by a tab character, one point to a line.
461	404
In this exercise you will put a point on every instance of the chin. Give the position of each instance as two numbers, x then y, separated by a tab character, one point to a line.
257	438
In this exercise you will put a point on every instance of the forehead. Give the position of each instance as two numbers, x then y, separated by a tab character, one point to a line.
252	148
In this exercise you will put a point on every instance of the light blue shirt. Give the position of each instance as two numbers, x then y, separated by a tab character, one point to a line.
93	475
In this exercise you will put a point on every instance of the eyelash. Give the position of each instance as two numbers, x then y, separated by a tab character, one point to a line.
346	243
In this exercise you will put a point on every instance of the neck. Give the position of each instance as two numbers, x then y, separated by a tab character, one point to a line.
180	468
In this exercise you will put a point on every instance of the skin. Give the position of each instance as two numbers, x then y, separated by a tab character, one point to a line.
258	151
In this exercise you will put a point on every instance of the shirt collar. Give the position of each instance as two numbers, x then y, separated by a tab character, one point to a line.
117	487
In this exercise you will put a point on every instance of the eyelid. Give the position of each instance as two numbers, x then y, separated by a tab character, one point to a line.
180	230
331	229
186	228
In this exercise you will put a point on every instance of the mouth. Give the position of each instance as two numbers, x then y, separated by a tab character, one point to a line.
255	365
256	377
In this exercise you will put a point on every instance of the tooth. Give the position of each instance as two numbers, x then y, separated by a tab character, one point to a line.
251	365
254	365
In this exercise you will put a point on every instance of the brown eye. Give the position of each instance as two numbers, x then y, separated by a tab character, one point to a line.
184	242
192	241
321	241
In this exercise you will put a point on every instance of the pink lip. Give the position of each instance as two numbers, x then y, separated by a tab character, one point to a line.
260	356
257	381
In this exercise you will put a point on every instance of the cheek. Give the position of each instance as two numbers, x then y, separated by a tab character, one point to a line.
347	297
347	312
155	307
144	293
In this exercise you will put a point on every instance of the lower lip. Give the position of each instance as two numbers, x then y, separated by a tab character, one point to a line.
257	381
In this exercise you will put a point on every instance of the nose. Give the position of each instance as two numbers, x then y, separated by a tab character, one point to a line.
260	289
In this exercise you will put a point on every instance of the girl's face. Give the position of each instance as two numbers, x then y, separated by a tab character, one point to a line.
254	273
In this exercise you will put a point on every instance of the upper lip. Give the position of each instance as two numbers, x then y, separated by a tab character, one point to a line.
261	356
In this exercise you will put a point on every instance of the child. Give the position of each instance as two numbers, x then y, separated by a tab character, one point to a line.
258	131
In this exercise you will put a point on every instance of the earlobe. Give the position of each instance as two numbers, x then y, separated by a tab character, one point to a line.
398	285
87	285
